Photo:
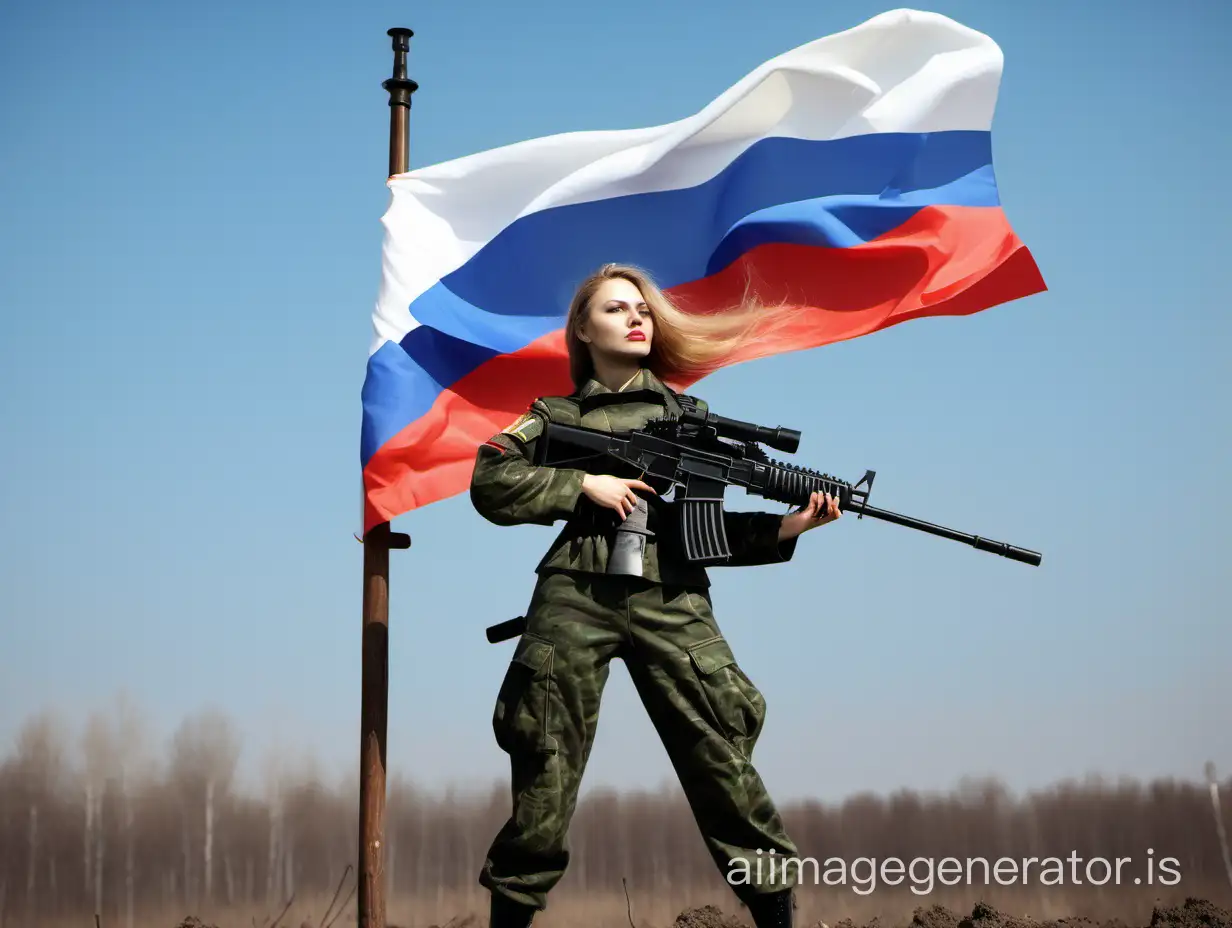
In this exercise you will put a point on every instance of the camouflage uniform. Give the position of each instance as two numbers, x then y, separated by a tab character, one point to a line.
706	710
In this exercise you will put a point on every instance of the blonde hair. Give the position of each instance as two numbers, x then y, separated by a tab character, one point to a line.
685	346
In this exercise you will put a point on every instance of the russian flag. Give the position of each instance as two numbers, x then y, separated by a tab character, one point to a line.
850	178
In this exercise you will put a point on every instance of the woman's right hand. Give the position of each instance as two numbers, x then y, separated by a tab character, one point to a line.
614	492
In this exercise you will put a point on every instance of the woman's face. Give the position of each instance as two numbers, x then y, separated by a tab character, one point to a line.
620	323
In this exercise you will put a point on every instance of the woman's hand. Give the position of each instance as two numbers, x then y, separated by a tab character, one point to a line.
614	492
822	508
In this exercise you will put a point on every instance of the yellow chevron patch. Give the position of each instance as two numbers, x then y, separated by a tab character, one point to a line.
524	429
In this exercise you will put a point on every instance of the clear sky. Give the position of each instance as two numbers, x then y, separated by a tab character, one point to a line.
190	198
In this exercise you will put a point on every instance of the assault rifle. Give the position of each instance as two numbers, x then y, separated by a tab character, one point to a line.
701	454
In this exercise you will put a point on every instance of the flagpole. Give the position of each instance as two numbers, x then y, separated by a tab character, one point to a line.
378	541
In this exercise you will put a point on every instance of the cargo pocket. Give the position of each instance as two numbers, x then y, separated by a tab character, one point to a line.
738	707
521	721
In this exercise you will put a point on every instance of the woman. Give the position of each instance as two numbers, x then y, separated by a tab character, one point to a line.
625	337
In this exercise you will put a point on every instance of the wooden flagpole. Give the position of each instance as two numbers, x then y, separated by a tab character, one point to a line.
378	541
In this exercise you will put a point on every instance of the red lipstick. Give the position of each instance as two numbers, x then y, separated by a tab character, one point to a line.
636	336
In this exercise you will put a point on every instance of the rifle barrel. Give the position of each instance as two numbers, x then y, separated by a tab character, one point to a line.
976	541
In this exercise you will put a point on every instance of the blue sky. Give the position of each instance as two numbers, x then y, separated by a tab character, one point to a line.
191	199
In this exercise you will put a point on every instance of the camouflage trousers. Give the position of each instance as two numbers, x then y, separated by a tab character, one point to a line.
706	710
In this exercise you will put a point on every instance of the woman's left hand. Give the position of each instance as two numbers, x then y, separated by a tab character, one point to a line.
822	509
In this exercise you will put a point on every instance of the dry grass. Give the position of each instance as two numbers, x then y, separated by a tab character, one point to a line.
573	909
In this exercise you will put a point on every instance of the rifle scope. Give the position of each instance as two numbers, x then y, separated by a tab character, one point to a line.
780	438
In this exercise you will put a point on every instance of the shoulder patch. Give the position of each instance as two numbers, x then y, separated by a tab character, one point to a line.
527	427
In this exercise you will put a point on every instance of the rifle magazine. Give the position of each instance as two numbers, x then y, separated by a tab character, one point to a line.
705	536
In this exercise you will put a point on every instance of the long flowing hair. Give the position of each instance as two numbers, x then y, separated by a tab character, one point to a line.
685	346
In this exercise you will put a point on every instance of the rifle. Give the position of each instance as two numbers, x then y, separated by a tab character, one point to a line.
701	454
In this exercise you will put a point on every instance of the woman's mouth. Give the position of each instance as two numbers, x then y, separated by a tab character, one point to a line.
636	336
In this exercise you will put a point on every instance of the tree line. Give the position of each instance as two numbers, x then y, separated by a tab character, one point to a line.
89	825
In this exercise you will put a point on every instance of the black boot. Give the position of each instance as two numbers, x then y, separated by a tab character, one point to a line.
772	910
506	913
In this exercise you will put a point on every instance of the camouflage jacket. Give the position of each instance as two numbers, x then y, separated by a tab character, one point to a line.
508	489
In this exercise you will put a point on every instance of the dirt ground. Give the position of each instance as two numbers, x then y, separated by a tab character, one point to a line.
1193	913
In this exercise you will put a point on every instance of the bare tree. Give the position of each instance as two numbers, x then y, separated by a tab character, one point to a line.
32	868
88	850
205	750
130	760
99	749
40	774
275	794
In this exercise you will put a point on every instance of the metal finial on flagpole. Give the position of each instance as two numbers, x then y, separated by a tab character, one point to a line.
400	88
378	540
1219	829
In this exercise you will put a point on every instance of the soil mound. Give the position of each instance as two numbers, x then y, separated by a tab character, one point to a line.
709	916
1193	913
